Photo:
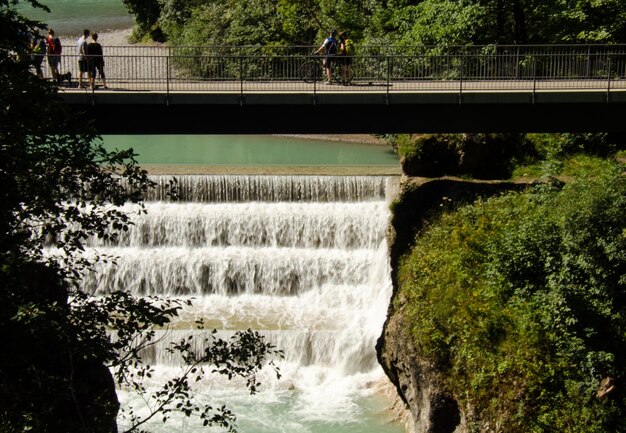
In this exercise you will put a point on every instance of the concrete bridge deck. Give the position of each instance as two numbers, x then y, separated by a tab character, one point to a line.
398	107
530	89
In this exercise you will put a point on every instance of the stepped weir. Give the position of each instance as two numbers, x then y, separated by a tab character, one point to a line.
301	259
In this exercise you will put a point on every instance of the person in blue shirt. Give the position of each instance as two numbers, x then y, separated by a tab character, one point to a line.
330	47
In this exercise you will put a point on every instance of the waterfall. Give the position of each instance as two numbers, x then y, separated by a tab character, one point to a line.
301	259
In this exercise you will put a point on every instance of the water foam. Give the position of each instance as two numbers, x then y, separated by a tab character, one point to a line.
302	260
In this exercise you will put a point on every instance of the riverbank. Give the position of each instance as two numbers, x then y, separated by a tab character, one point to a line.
105	38
344	138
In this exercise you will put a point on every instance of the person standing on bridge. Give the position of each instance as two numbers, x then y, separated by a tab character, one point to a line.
330	46
96	62
54	50
38	52
83	65
346	51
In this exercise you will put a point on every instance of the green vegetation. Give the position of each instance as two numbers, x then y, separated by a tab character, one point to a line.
502	156
483	156
519	301
571	166
571	154
404	22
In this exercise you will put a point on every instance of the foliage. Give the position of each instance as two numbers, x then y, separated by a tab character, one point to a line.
569	144
569	154
439	22
436	22
300	19
505	155
573	166
520	302
444	22
258	22
147	13
485	156
59	187
588	21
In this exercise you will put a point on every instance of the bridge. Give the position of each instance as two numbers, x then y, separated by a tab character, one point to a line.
217	90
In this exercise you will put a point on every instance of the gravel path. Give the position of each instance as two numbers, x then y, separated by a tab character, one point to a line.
112	37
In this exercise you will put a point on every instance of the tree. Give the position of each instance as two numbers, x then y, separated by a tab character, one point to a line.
407	22
147	13
463	22
440	22
66	349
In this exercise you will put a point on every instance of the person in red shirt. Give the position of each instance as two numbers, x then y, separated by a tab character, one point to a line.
54	54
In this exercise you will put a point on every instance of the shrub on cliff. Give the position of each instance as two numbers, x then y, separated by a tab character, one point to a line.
482	156
560	146
520	302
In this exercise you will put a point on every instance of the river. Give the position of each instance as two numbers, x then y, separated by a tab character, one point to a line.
301	259
69	17
247	151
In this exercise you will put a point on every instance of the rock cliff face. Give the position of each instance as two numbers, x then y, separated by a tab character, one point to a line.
433	408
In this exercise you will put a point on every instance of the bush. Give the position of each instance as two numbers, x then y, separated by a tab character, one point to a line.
560	146
482	156
520	301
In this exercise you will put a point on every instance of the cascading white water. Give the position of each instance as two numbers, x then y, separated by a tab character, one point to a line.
303	260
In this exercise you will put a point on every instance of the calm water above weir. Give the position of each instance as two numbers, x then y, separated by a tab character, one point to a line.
250	150
69	17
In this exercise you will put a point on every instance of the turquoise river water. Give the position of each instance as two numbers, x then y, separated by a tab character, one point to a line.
246	150
69	17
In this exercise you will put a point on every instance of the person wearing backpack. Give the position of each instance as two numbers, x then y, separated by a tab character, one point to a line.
346	50
38	52
330	46
54	54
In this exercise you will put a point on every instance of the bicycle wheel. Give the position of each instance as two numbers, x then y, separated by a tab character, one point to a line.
309	71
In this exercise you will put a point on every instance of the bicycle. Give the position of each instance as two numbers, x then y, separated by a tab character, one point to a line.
311	71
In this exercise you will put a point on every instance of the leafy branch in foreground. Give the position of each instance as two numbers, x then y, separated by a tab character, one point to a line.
59	188
137	325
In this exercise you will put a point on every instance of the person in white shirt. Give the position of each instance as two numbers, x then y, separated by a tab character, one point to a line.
83	64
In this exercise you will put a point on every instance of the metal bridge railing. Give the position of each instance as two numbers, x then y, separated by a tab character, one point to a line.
373	69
